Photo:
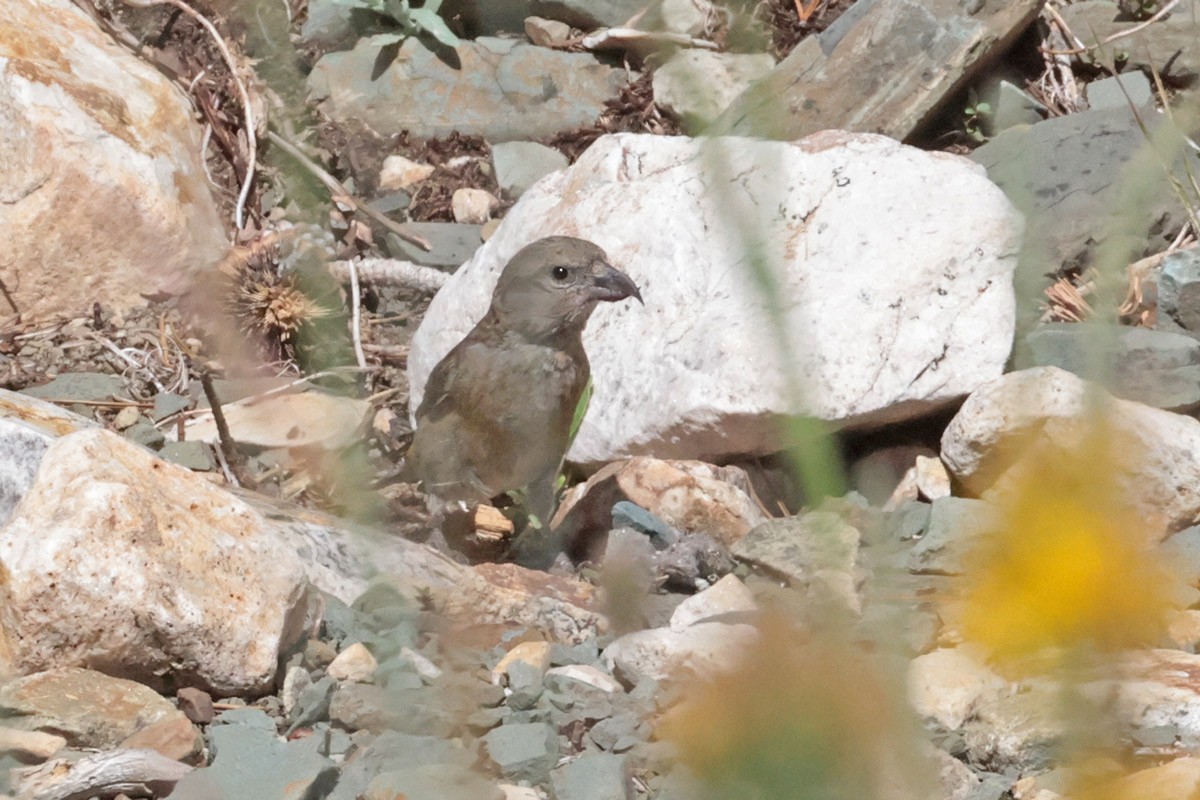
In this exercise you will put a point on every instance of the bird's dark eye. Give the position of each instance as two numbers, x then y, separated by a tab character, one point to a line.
559	273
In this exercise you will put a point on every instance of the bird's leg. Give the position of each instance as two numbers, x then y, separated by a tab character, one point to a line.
537	546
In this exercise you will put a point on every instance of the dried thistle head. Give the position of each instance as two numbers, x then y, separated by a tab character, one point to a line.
268	302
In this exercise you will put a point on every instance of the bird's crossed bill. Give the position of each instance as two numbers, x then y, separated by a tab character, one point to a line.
498	409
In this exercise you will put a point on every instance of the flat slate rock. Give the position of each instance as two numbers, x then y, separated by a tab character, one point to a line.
1158	368
885	66
500	89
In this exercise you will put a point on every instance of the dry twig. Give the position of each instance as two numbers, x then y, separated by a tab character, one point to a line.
391	272
335	187
243	95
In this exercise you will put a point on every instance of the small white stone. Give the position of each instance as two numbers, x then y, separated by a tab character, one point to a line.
725	596
399	172
354	664
546	32
585	673
423	666
126	417
472	206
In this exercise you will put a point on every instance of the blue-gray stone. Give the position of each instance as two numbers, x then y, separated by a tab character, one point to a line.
909	520
312	704
246	717
523	751
166	404
74	386
586	652
395	751
145	434
433	782
1179	289
630	515
451	244
955	524
519	165
1120	91
599	776
525	684
193	455
252	762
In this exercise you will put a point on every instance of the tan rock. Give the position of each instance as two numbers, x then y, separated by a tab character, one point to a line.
88	708
1048	412
176	738
1178	778
355	664
547	32
95	135
29	747
727	595
119	560
661	653
947	685
472	206
304	419
535	654
689	495
399	172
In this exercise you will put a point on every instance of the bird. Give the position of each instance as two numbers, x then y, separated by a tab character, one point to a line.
498	409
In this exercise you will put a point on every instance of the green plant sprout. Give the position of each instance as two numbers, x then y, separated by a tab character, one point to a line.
976	116
412	21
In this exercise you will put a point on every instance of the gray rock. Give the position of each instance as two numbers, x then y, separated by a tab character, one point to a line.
523	751
846	78
488	17
520	165
312	704
593	777
331	25
432	782
607	732
27	427
1182	552
1065	174
166	404
502	89
251	762
247	717
1155	367
1172	39
955	523
145	434
1013	106
586	652
525	683
193	455
395	751
630	515
451	244
87	708
909	520
1179	289
697	85
1120	91
73	386
804	549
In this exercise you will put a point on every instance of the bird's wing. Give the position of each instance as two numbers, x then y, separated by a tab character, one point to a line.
437	402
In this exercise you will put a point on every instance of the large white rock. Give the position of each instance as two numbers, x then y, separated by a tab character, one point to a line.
125	563
893	272
102	190
119	561
1052	410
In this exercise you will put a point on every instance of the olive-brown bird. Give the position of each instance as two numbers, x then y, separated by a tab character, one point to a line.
498	409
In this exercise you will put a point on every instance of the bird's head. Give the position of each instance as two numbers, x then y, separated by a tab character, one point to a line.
553	285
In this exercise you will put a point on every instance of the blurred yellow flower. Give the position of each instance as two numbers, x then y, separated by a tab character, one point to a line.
1072	568
798	719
